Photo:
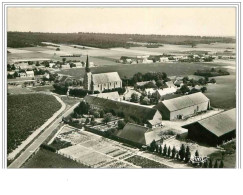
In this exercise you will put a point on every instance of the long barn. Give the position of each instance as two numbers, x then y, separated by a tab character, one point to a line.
145	115
215	129
184	106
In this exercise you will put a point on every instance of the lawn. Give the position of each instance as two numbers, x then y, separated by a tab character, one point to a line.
47	159
145	162
229	156
25	113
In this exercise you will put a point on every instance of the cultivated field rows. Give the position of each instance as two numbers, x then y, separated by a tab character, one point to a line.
95	151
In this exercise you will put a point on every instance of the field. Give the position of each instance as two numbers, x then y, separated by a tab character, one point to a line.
129	70
223	94
25	113
145	162
47	159
46	88
98	152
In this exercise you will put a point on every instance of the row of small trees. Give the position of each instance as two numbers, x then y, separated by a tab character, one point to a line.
183	154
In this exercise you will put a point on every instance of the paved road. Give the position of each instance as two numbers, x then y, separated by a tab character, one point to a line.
36	144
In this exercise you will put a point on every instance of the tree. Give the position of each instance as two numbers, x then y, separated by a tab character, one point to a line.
210	165
197	153
121	124
221	164
173	152
58	49
63	60
182	152
92	119
165	150
87	121
188	154
185	79
159	83
153	145
134	97
177	156
205	164
157	148
102	113
160	149
212	81
184	89
204	89
107	118
169	151
216	164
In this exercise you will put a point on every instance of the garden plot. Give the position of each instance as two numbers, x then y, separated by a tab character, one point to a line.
119	164
75	137
94	150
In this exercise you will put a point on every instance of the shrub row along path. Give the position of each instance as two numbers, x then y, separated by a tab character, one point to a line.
39	140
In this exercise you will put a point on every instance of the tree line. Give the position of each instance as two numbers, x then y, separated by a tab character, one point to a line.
105	40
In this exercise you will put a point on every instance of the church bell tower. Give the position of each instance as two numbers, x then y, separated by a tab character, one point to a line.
87	76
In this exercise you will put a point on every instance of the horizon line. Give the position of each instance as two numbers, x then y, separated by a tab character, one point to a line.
228	36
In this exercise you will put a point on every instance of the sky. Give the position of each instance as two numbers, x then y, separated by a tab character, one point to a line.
162	21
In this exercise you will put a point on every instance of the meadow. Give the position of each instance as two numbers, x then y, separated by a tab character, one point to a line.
25	113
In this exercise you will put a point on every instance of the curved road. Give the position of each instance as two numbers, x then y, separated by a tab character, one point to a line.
39	140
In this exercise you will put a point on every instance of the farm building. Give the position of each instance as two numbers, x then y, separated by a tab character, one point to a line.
137	135
162	92
30	74
184	106
111	95
170	84
102	81
141	84
150	91
145	115
215	129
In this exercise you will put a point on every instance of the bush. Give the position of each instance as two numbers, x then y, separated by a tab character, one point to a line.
121	124
48	147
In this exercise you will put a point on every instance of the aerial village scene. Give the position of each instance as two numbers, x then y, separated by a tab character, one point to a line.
120	100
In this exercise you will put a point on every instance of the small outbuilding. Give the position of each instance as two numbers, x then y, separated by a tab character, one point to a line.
137	135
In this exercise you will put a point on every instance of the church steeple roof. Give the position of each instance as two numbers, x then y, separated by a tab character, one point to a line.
87	69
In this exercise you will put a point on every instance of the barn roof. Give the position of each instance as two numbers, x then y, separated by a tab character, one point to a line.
170	84
106	77
141	112
138	134
165	91
221	123
184	101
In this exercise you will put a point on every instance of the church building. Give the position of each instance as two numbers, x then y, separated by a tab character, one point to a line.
102	81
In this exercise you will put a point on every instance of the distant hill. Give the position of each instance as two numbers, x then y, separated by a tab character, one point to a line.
105	40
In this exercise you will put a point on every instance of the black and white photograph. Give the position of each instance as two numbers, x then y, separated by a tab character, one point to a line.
84	91
121	86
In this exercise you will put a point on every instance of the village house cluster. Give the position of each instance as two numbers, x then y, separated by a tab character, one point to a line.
139	125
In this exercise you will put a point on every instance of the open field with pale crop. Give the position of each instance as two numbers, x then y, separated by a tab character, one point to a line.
128	70
25	113
223	93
